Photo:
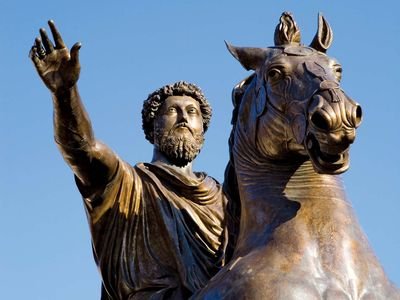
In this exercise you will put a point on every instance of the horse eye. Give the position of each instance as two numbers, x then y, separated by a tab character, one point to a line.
274	74
338	73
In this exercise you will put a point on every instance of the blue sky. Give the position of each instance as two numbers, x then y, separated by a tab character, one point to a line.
128	50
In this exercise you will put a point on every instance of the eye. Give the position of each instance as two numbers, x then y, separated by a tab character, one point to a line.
274	74
192	110
338	73
171	110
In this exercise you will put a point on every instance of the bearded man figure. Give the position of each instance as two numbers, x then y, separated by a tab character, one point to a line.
158	229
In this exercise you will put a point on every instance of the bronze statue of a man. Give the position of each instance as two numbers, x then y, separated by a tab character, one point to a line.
158	229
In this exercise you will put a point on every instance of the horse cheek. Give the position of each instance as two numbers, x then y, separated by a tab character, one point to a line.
261	101
299	128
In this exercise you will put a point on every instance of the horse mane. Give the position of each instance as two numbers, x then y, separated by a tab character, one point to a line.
230	185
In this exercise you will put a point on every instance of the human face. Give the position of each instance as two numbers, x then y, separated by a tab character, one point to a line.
178	130
181	114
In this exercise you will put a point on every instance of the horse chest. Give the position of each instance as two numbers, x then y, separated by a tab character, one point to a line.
300	269
253	278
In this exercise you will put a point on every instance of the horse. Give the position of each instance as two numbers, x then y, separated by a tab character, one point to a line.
292	128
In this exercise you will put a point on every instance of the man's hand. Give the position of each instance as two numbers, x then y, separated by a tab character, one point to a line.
58	67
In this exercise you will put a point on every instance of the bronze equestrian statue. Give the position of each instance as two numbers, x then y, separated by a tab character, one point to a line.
292	128
158	229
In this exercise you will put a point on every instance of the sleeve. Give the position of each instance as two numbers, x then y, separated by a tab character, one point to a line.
121	193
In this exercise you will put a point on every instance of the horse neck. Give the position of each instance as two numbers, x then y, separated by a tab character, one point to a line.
275	194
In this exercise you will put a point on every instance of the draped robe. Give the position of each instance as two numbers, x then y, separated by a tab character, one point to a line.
156	234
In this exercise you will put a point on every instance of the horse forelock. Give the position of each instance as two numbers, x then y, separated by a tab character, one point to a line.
287	31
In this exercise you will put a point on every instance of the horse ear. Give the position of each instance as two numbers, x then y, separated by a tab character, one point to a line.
287	31
324	37
249	58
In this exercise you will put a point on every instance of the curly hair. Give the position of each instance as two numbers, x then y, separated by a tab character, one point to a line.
157	98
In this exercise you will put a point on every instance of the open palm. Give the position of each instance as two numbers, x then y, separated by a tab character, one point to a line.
58	67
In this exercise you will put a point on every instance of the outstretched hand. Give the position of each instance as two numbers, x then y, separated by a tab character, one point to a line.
58	67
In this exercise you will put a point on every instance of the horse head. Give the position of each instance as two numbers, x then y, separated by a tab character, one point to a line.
293	105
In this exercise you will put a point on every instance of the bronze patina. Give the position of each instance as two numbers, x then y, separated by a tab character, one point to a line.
158	229
292	128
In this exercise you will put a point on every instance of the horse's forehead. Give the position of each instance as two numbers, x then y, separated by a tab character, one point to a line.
299	51
299	54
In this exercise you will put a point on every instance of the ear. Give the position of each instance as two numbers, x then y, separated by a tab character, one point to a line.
324	36
249	58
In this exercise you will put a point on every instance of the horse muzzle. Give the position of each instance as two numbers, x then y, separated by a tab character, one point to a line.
333	119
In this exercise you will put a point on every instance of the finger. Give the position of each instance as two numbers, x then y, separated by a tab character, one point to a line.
75	53
48	46
38	43
34	55
58	41
36	60
39	48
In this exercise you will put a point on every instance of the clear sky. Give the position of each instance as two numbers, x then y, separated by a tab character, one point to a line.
130	48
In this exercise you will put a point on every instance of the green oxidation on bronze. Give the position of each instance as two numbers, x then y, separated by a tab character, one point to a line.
292	128
158	229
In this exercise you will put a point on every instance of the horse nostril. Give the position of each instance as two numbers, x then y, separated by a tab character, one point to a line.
320	121
357	116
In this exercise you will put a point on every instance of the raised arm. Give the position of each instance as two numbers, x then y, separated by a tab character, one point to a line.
92	162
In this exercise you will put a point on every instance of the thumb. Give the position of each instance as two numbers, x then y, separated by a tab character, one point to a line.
75	53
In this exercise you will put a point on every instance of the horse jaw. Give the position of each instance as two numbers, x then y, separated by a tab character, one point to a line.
324	162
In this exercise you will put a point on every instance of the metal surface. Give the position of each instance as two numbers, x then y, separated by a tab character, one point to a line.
158	229
292	128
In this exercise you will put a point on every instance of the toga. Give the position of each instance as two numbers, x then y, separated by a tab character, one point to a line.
156	234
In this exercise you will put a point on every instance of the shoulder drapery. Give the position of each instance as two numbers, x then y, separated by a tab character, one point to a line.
155	233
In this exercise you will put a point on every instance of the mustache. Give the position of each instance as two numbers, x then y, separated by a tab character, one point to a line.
182	125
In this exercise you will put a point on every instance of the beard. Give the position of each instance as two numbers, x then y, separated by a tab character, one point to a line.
179	148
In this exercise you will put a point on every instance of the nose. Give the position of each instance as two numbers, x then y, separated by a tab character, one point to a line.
330	116
183	116
321	120
356	115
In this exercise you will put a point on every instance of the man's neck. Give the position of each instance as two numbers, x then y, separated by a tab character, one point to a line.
160	159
